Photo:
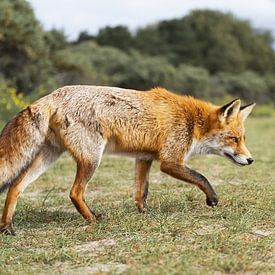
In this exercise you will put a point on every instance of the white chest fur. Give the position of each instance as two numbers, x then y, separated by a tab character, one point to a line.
197	148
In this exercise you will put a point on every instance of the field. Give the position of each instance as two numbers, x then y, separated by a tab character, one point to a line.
179	235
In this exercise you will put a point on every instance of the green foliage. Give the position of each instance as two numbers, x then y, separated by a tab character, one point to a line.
148	40
193	81
270	82
118	37
146	72
211	39
55	40
84	36
23	53
208	54
10	101
248	85
87	63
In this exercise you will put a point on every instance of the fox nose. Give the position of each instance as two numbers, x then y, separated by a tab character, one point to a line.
250	160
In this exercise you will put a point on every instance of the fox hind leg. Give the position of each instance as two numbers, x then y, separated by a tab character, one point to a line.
85	171
87	154
142	183
46	156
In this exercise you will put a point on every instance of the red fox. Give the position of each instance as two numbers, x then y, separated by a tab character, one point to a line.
147	125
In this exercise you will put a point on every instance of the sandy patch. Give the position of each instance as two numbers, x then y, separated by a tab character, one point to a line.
238	273
263	232
97	268
208	229
95	247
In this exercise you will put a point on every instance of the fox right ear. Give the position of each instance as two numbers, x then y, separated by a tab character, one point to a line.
230	110
246	110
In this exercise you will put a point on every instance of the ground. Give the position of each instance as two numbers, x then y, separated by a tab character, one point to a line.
179	235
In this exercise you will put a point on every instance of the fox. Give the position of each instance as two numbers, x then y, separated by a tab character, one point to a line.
88	121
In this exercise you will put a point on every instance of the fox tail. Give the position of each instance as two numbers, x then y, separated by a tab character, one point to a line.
20	141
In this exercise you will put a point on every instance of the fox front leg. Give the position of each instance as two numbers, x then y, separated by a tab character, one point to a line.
184	173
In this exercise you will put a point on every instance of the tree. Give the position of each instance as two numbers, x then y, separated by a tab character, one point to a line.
143	72
148	41
193	81
23	52
88	63
211	39
55	40
118	37
248	85
84	36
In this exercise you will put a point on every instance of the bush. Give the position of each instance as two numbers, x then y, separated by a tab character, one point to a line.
10	101
87	63
270	82
192	81
249	86
143	72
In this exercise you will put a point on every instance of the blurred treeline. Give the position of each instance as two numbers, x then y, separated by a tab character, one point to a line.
208	54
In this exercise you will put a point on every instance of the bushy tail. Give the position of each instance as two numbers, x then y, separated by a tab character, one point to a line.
20	141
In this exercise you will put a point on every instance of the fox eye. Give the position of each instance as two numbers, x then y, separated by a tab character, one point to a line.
235	139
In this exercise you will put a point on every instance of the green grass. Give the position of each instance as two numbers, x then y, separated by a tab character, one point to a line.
180	234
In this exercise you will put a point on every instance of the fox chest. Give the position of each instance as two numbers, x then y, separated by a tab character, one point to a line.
196	148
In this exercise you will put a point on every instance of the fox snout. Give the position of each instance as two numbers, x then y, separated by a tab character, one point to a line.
247	160
237	158
250	160
245	154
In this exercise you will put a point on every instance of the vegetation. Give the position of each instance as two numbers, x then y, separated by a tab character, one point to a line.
179	235
207	53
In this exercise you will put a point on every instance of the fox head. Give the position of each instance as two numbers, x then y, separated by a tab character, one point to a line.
226	136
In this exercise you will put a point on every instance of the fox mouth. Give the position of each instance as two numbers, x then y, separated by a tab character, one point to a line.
231	158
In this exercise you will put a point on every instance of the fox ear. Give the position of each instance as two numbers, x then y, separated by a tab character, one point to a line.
230	110
246	110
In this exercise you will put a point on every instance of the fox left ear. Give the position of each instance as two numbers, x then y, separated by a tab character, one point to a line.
246	110
230	110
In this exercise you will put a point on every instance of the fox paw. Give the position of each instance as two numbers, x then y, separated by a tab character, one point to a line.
7	230
89	228
142	207
97	216
212	201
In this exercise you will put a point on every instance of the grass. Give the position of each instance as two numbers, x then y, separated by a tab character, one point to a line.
180	234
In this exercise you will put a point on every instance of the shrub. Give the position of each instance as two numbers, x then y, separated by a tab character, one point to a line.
193	81
10	101
248	86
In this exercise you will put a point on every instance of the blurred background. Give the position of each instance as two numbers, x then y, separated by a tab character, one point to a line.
215	50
